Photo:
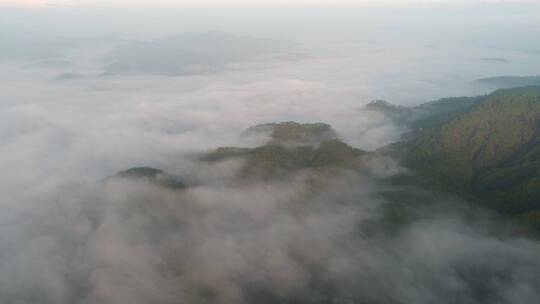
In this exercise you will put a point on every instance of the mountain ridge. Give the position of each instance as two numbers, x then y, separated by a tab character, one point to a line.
491	151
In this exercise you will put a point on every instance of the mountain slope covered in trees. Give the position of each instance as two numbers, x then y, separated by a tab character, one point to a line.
491	152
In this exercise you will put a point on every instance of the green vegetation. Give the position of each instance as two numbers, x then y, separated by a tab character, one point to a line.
531	218
331	153
440	111
398	114
273	158
295	133
152	175
490	152
387	108
292	146
425	115
485	149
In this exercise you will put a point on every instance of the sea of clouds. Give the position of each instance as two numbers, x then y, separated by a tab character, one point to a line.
68	236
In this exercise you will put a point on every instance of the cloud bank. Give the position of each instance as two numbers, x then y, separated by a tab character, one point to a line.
70	236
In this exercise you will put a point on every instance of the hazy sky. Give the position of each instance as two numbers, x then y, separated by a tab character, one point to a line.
40	3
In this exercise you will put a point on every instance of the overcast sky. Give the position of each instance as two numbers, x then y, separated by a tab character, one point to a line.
178	3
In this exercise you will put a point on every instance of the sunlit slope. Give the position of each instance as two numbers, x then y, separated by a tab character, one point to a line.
291	146
491	151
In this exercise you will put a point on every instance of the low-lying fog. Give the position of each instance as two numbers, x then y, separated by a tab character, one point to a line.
75	110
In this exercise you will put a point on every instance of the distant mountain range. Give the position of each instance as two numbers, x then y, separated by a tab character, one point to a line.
505	82
188	54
